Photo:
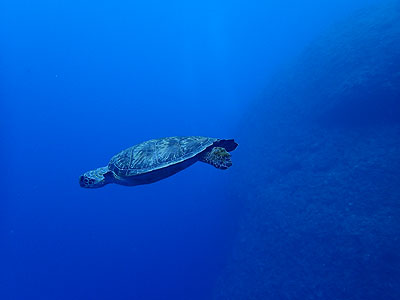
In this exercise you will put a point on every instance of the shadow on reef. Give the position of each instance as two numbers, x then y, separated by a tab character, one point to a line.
319	173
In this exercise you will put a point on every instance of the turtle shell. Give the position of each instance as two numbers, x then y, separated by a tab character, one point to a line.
157	154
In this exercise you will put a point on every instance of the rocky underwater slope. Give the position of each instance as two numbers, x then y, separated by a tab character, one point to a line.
318	172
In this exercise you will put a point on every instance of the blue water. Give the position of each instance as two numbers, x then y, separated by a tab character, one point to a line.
309	209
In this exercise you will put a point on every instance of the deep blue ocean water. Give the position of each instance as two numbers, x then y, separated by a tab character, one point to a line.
310	91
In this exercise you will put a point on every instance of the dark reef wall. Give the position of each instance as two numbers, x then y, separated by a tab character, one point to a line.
318	172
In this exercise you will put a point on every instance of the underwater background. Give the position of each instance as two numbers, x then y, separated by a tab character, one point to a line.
309	89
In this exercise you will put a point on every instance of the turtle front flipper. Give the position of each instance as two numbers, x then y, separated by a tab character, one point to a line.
218	157
96	178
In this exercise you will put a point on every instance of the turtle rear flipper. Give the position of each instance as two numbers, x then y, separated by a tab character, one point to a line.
229	145
217	157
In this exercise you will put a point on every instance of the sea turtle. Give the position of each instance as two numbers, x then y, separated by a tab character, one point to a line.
157	159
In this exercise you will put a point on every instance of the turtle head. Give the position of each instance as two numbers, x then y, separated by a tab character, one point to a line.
96	178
